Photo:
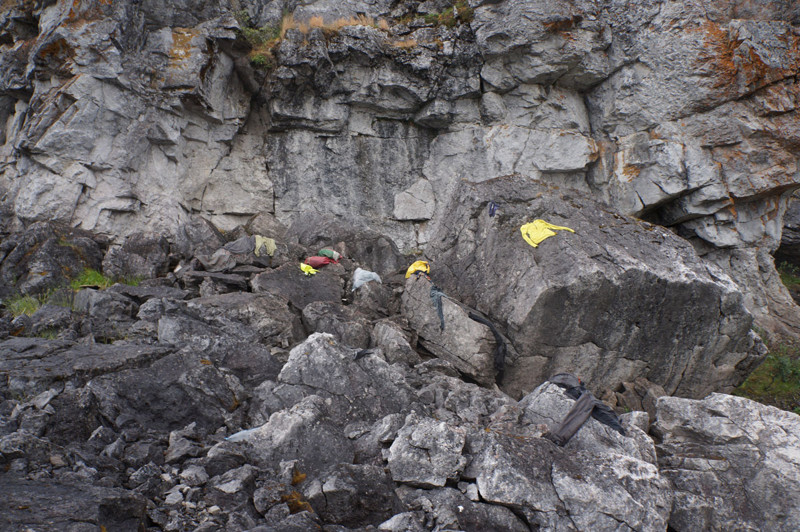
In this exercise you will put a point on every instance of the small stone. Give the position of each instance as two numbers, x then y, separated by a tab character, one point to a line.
57	460
173	497
194	475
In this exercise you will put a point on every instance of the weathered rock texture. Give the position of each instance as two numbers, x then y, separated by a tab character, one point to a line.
148	122
124	117
729	445
617	299
163	408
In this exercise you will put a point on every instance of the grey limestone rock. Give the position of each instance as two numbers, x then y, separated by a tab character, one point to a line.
348	326
465	343
36	364
732	461
289	282
141	255
447	508
69	506
46	256
426	453
589	296
415	203
354	495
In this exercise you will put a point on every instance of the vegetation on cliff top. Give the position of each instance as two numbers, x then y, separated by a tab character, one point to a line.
264	39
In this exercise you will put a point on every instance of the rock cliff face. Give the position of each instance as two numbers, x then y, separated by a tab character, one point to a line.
230	391
122	116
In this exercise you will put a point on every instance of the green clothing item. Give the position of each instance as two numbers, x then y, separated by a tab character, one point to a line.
331	254
264	244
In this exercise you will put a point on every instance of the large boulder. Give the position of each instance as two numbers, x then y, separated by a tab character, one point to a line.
31	365
141	255
46	256
616	299
289	282
44	504
733	462
465	343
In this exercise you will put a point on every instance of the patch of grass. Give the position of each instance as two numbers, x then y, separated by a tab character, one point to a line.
790	275
48	334
28	304
133	280
90	277
460	13
263	39
776	381
405	44
23	304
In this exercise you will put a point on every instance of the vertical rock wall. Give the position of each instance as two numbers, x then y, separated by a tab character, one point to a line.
121	115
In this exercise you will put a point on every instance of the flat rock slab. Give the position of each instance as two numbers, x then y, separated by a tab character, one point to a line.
463	342
35	505
32	364
735	463
140	294
290	282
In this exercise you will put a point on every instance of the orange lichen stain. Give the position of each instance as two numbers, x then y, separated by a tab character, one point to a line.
181	45
88	9
297	477
59	49
737	63
563	24
718	58
630	172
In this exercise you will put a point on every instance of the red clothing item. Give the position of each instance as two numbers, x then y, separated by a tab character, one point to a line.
319	262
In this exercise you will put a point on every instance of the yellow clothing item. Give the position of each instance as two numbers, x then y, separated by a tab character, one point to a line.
268	243
538	230
308	270
419	266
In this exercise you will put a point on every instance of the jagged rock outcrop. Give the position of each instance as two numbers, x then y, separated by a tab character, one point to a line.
455	433
194	415
196	401
45	257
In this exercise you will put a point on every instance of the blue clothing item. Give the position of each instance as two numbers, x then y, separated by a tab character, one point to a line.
436	296
492	208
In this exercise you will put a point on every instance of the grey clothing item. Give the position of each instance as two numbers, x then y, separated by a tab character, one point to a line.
573	421
565	380
245	244
361	277
586	405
